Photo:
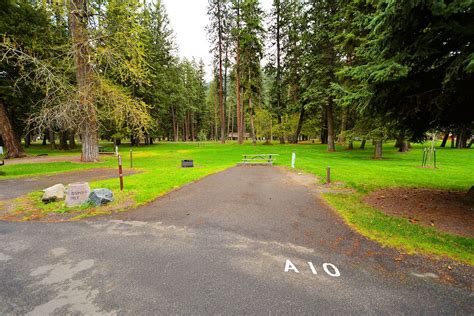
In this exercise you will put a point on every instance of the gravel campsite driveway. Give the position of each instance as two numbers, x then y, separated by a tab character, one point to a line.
249	240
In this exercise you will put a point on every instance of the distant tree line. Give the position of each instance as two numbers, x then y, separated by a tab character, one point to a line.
95	69
345	70
335	70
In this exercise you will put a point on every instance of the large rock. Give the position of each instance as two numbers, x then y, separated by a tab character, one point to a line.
77	193
54	193
101	196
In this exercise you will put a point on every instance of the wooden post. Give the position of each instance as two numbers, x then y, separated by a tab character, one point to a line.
131	158
120	172
328	175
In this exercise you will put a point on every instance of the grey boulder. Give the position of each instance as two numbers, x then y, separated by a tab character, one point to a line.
101	196
54	193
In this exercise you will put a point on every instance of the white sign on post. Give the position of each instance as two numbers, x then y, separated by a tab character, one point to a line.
1	150
293	158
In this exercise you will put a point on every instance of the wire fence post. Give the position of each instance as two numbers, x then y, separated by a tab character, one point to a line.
120	172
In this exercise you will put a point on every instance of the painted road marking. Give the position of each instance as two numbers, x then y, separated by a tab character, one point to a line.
329	268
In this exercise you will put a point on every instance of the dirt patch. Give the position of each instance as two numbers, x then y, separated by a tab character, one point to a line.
441	209
314	183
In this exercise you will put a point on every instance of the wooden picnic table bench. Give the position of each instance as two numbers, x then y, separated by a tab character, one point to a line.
103	151
259	159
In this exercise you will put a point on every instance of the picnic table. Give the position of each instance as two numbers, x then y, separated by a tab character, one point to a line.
102	150
259	159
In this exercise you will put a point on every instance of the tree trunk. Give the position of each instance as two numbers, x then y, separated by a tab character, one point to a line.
445	139
452	140
254	137
27	139
362	144
79	20
45	138
216	118
458	138
350	146
12	143
378	149
342	137
63	136
244	129
229	109
402	143
403	146
323	136
232	113
90	147
52	142
463	137
72	140
330	116
282	138
240	131
278	60
175	129
221	103
300	125
193	130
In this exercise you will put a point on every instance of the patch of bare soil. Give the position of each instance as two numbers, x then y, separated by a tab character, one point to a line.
313	182
444	210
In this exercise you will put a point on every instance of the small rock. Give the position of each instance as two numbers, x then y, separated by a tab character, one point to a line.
54	193
101	196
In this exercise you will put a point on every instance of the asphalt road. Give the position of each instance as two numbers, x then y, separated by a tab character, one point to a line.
221	246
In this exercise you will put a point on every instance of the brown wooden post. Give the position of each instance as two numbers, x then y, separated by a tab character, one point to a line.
328	175
131	158
120	172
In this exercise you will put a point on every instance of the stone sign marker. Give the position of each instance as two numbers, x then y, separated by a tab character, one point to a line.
77	193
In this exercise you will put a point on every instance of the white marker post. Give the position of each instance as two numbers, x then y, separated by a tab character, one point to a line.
293	158
116	150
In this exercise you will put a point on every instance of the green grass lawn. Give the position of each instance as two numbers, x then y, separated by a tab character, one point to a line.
160	164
